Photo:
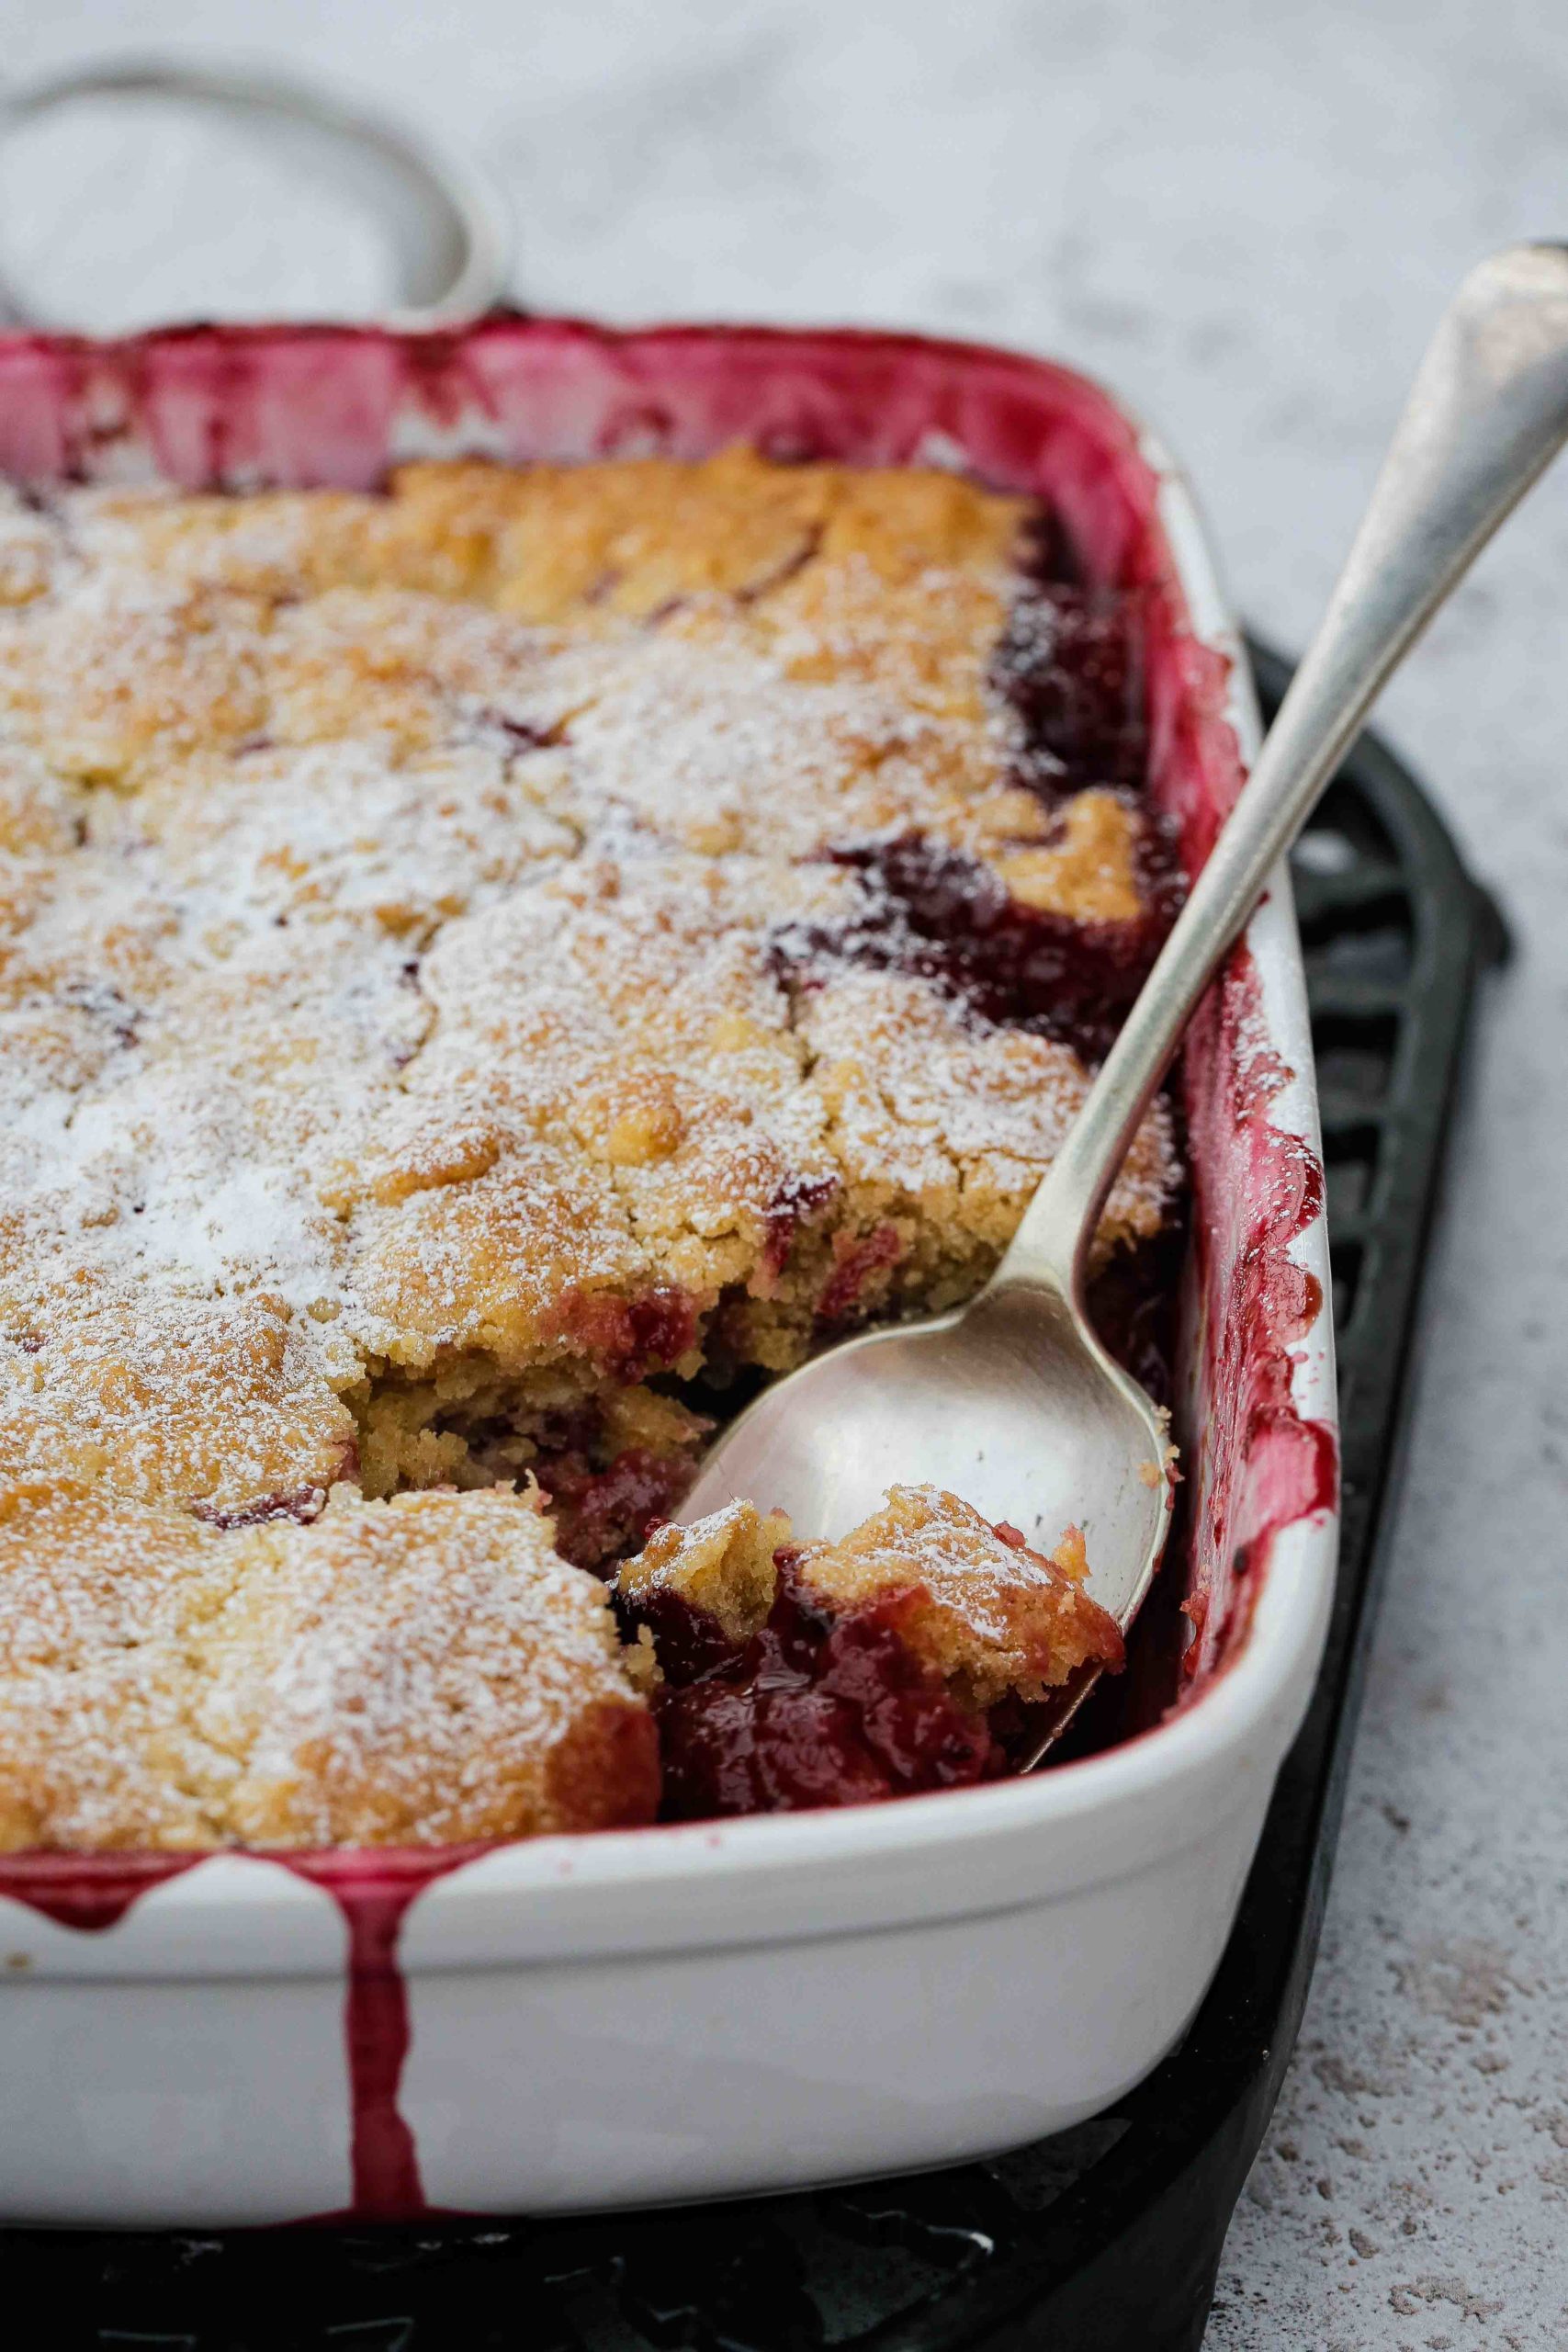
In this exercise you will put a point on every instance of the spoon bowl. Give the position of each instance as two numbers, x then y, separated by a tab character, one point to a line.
1011	1402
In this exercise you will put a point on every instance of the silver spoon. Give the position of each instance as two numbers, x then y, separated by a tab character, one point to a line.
1011	1402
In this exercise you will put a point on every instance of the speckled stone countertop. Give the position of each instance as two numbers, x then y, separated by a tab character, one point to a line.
1246	218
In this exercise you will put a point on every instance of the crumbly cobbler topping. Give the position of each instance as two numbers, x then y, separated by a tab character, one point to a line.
484	967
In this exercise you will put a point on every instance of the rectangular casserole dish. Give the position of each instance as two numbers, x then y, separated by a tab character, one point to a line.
689	2011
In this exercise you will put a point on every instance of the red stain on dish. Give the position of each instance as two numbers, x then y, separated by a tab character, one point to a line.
93	1892
333	405
89	1893
373	1892
329	405
1255	1190
1195	769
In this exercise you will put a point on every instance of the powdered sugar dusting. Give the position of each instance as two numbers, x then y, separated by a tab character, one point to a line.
396	895
425	1671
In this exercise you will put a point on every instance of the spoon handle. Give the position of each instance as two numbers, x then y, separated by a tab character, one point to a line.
1487	412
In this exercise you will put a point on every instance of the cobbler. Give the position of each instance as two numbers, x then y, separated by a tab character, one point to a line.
493	971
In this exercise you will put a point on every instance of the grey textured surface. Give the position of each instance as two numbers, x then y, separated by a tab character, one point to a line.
1246	218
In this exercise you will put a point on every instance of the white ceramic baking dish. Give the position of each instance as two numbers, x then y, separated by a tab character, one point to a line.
690	2011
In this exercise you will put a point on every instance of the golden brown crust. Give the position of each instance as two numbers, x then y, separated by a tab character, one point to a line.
214	1401
406	1038
426	1670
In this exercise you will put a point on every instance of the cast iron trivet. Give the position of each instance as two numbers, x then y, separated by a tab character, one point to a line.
1103	2239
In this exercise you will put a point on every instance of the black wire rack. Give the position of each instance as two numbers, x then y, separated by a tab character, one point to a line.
1106	2238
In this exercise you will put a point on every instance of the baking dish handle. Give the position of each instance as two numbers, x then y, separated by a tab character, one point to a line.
449	230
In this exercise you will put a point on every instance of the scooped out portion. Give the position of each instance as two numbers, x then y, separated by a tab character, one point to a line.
429	1670
894	1661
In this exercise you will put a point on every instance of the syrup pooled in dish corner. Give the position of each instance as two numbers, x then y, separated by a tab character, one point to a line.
494	970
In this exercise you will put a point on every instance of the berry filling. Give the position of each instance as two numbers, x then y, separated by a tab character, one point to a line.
1069	663
822	1707
303	1505
628	1338
601	1515
940	915
900	1658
